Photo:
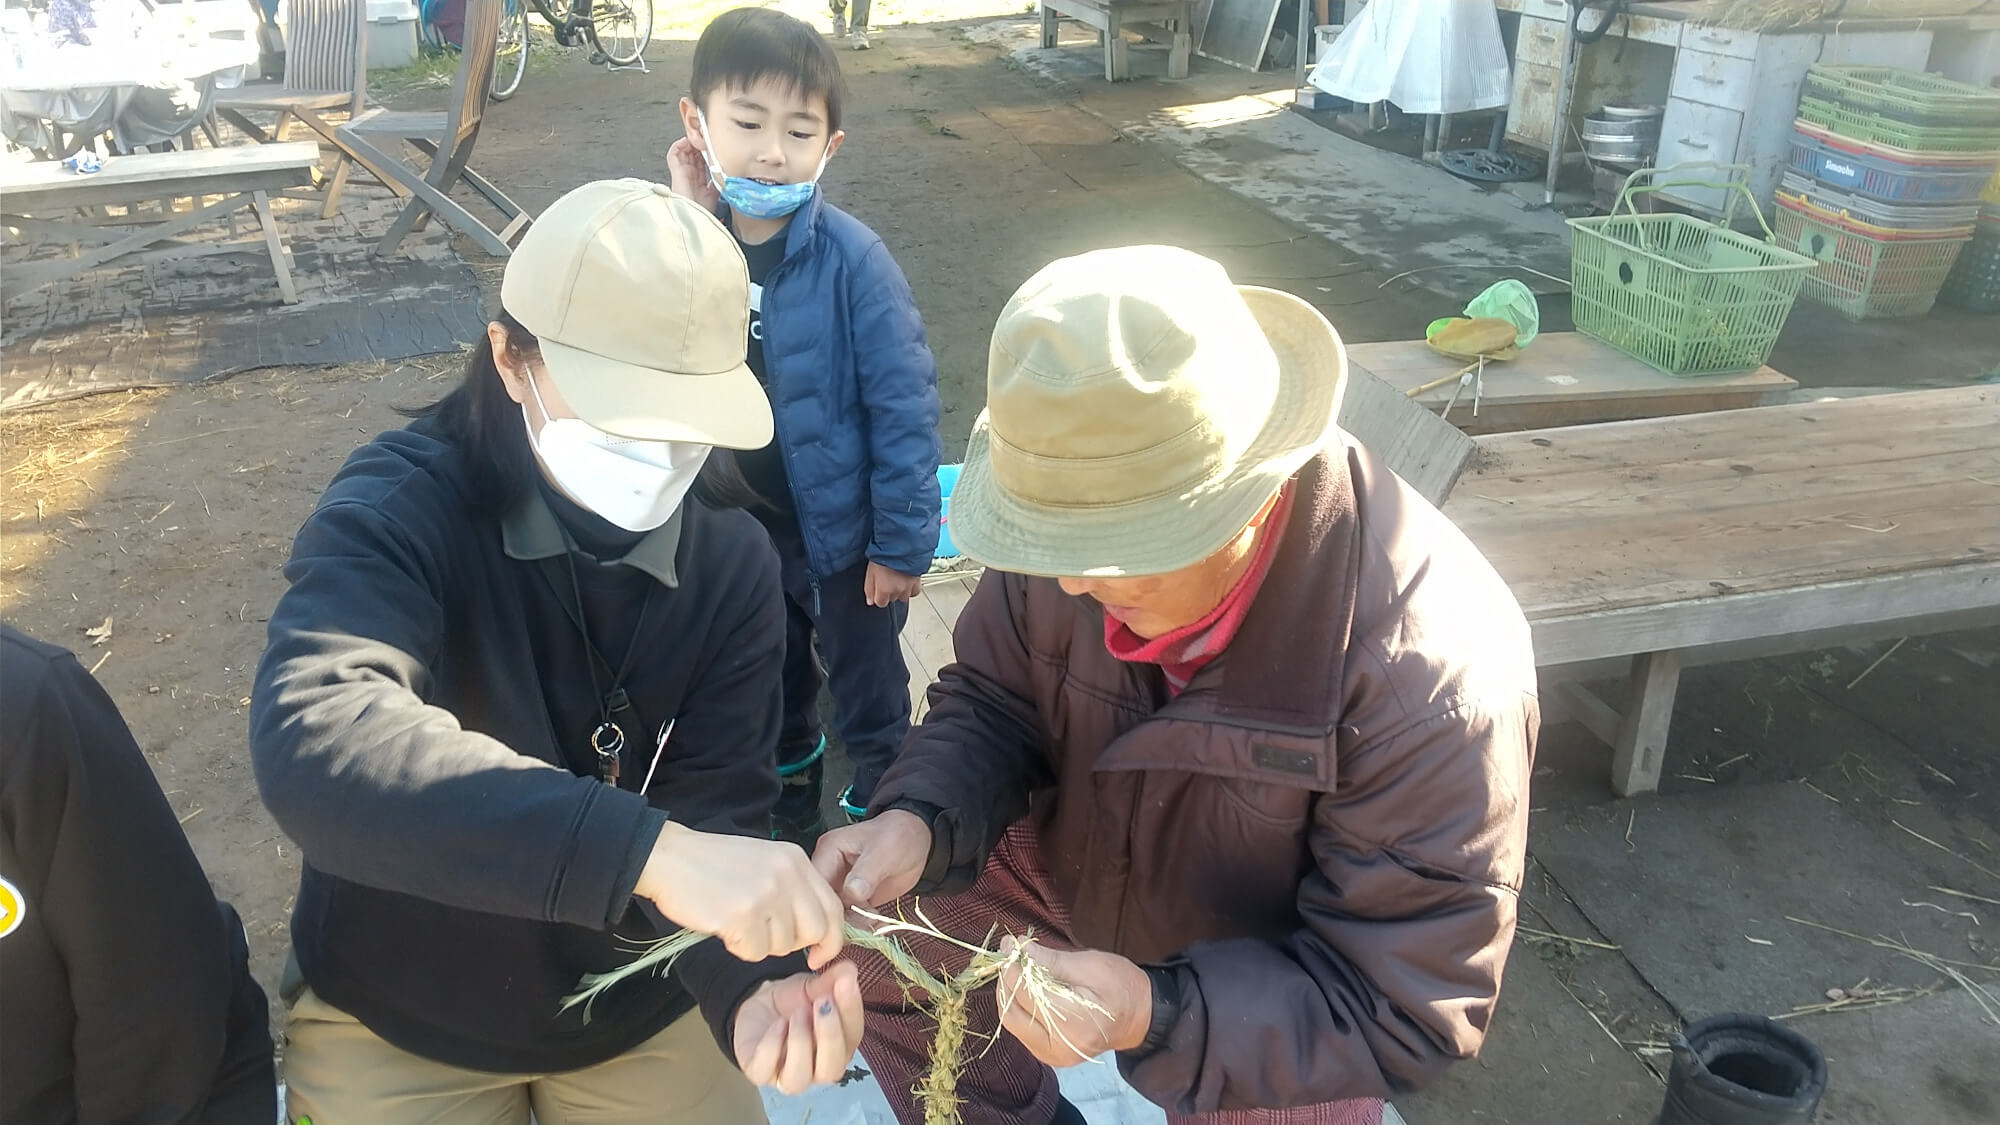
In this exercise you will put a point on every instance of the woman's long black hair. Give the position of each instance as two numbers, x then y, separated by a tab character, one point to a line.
485	422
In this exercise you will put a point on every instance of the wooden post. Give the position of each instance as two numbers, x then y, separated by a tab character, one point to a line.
275	245
1641	748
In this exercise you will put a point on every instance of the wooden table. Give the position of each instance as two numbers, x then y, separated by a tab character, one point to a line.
40	201
1167	22
1564	379
1663	543
1649	546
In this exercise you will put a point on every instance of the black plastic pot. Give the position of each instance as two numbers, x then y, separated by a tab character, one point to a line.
1736	1069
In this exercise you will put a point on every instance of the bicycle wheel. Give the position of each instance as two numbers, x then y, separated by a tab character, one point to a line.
510	52
621	29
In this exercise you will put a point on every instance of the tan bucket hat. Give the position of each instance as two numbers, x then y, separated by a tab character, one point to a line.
1140	409
642	303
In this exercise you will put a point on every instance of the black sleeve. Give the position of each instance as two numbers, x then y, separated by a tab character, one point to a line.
721	759
123	902
363	773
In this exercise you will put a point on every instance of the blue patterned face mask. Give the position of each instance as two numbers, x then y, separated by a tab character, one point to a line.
752	197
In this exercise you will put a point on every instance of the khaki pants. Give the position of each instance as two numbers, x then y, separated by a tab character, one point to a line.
337	1072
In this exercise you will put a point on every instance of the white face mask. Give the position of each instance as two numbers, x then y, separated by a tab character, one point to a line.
636	485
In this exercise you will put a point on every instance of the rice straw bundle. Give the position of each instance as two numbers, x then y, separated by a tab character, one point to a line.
1782	15
942	997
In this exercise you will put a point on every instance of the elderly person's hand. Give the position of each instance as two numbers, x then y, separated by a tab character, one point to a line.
876	861
1062	1032
800	1031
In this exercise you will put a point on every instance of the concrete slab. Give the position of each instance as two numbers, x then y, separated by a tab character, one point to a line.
1395	213
1544	1060
1697	890
1908	1063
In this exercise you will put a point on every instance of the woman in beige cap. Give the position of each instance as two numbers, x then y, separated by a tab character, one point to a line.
520	708
1240	725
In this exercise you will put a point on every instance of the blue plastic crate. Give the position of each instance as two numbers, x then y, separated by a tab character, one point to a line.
1886	178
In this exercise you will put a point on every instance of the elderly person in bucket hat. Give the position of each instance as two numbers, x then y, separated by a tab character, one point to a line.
1240	727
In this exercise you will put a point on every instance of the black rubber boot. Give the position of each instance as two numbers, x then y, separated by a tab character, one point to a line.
798	819
1736	1069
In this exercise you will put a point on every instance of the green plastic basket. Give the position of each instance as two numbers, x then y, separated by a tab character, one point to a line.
1907	95
1686	296
1863	276
1876	129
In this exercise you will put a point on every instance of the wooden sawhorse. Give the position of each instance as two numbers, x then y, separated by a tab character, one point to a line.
40	201
1167	22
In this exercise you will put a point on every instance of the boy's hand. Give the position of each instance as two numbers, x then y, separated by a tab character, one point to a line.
883	586
687	174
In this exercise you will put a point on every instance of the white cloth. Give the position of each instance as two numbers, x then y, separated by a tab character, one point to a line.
1426	56
145	76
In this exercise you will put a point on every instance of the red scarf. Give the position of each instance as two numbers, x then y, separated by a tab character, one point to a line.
1188	649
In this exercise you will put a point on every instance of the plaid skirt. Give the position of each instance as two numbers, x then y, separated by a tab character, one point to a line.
1003	1084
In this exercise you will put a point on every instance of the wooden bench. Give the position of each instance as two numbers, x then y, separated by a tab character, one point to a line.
1649	546
1564	379
41	202
1640	548
1166	22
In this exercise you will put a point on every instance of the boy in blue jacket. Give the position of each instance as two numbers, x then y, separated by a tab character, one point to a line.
850	481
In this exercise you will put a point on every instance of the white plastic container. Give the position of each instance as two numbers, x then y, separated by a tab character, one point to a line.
392	33
1323	37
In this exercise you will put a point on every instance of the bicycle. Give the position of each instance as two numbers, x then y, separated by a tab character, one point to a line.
510	51
617	31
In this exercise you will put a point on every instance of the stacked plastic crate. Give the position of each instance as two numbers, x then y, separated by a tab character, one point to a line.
1884	186
1975	278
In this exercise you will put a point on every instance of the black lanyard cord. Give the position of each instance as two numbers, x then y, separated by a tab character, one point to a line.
614	707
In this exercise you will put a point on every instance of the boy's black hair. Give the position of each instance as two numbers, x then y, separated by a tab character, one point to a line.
485	422
744	46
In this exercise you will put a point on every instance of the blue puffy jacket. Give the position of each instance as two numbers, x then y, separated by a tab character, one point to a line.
854	394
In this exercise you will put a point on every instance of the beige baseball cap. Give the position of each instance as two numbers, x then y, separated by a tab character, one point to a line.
1140	409
641	301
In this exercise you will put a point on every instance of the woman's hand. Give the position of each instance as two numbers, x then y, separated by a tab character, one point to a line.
687	174
800	1031
761	898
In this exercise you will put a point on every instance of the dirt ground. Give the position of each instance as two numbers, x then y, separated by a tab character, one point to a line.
168	514
171	512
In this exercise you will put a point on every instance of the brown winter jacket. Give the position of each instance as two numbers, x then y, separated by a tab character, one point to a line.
1326	830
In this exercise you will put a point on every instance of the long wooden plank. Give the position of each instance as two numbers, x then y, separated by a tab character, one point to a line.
1564	379
1969	589
921	675
1649	513
1584	459
927	645
157	169
1608	562
1427	452
929	636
